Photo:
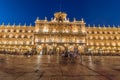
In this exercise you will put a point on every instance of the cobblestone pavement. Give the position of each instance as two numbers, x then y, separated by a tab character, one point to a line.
45	67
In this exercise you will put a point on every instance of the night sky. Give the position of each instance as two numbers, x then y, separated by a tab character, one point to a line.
96	12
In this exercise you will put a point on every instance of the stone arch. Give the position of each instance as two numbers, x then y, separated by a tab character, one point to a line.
60	48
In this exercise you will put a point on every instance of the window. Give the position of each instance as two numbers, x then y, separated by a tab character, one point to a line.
20	30
92	32
25	36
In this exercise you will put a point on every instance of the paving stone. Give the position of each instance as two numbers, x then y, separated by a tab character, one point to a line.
45	67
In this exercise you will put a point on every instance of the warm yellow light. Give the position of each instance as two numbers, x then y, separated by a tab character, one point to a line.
29	31
29	36
113	44
4	36
22	36
16	36
15	42
17	30
45	29
54	31
47	40
28	42
53	39
66	31
12	30
4	42
11	36
75	30
78	41
63	40
6	30
91	43
42	40
107	44
21	42
102	44
83	31
37	30
118	44
10	42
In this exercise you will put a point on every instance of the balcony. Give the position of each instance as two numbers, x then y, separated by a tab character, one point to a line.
60	32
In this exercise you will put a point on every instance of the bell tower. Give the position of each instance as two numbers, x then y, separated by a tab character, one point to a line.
60	16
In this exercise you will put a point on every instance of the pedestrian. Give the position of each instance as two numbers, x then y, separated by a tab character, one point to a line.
50	52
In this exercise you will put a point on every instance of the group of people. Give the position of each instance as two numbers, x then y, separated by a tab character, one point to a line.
70	54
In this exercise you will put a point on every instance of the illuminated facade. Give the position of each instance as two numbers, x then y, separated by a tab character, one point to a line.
59	34
103	40
16	38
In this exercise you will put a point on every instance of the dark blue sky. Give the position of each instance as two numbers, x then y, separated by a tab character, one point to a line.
93	11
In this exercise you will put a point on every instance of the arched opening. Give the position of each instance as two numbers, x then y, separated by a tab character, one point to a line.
59	49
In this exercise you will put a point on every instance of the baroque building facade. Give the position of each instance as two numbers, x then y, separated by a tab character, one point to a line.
59	34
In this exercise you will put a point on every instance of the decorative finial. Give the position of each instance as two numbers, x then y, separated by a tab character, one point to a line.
25	25
113	25
8	24
108	25
3	24
82	20
103	25
99	26
68	19
13	24
88	25
30	25
52	19
74	19
37	19
19	24
45	18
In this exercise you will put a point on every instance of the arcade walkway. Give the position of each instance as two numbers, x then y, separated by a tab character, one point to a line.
45	67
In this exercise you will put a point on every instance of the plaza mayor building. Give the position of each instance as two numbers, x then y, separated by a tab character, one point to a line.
60	34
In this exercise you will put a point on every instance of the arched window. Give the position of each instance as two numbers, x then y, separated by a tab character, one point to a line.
20	30
19	36
30	36
14	30
25	36
13	36
98	32
8	30
104	32
92	32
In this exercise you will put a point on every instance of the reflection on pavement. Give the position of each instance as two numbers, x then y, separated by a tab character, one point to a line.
45	67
